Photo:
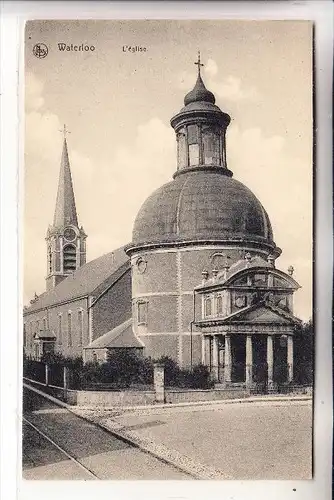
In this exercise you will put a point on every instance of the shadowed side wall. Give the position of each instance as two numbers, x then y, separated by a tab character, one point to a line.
113	307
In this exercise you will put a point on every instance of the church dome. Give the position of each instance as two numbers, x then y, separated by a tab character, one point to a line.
201	206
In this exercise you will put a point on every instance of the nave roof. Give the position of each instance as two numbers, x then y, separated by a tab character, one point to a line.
84	281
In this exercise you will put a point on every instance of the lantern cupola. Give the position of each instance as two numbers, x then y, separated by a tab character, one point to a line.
200	129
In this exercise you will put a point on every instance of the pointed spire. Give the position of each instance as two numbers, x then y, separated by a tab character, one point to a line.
65	212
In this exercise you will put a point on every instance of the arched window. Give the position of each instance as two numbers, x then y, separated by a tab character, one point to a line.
69	329
70	258
60	333
219	305
80	325
142	313
219	260
208	306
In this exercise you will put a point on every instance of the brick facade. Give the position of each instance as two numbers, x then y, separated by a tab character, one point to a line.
165	283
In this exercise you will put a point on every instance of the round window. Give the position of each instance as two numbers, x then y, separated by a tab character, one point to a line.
141	265
69	234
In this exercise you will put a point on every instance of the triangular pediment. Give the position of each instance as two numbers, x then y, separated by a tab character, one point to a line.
263	314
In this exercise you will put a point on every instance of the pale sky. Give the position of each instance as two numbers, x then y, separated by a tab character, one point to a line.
118	104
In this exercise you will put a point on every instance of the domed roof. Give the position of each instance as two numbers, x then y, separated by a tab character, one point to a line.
199	93
202	206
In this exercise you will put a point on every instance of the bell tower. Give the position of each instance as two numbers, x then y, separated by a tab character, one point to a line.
66	241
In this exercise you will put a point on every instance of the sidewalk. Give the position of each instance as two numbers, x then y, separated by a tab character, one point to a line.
267	438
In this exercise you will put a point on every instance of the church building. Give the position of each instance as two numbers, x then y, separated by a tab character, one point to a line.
198	281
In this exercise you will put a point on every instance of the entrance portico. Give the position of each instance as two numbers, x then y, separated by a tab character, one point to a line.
249	359
252	354
247	323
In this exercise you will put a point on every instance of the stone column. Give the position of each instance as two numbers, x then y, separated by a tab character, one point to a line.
66	378
215	357
159	382
249	361
204	350
228	360
290	358
270	360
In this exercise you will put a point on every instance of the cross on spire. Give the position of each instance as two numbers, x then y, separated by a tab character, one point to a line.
198	63
64	131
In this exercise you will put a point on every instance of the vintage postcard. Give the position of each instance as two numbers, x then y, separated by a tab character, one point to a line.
168	222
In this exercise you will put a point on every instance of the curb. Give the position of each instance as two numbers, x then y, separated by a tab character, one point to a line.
198	403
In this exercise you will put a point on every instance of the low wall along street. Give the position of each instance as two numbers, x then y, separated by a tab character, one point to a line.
134	398
137	398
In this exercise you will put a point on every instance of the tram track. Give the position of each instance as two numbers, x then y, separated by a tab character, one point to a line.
62	450
84	448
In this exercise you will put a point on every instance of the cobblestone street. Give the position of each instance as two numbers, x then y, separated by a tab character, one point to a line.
260	440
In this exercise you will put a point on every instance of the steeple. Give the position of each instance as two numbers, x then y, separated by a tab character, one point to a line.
200	129
65	211
66	242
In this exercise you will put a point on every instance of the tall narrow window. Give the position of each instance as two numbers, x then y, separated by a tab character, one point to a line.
219	305
181	149
45	324
211	147
60	333
142	313
193	145
69	329
70	258
208	306
193	155
80	325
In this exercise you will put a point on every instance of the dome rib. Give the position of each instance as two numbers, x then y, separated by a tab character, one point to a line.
178	211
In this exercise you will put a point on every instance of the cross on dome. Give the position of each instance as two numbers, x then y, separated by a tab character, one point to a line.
198	63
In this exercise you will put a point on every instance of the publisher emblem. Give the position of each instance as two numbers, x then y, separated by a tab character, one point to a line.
40	50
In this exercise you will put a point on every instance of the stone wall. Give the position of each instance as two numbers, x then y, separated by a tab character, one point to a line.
114	398
138	398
